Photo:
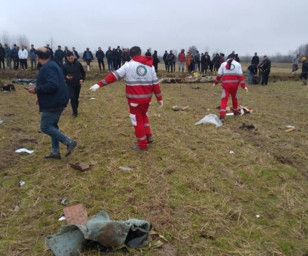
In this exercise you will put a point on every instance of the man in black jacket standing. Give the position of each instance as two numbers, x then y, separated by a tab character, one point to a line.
255	59
100	58
74	75
265	66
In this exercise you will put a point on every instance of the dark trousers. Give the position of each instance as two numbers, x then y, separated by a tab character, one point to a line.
23	63
100	64
33	64
170	67
16	63
74	91
117	63
2	61
155	66
265	77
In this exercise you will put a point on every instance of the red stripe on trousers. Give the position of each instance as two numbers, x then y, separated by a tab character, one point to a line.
141	119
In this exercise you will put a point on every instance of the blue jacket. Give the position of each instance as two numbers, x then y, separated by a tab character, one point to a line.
14	54
51	89
59	54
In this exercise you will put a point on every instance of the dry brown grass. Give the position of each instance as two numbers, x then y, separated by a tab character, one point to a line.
201	198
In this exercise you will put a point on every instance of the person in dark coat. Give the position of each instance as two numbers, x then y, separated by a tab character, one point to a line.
265	66
52	95
75	52
148	53
59	55
155	60
171	60
117	58
100	55
2	56
109	56
252	73
125	56
165	58
88	57
255	59
216	62
74	75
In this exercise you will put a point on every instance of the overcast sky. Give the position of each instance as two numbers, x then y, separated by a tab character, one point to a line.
246	26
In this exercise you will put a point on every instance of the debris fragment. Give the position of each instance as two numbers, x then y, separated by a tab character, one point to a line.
100	232
64	201
76	214
92	98
1	121
195	87
231	152
179	108
62	218
21	183
290	128
257	216
126	168
81	166
248	127
210	118
21	150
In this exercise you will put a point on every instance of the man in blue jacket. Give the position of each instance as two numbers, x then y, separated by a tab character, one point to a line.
52	95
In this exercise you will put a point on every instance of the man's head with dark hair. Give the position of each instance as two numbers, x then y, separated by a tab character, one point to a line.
43	53
70	57
135	51
69	53
231	56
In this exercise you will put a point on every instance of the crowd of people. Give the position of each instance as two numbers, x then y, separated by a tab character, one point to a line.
257	72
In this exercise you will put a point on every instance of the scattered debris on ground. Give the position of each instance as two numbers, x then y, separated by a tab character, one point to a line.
24	150
188	79
126	168
248	127
210	118
24	81
179	108
81	166
290	128
7	87
97	232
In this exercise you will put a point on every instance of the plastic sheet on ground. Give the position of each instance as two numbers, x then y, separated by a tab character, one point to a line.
24	150
211	119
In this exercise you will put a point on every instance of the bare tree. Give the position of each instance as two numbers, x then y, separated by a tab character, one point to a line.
302	50
23	40
193	49
51	42
5	38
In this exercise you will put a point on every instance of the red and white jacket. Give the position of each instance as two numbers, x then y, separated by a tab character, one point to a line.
140	77
232	77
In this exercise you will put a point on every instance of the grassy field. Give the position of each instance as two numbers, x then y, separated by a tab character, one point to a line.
201	198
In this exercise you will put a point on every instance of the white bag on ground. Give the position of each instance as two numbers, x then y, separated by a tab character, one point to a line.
211	118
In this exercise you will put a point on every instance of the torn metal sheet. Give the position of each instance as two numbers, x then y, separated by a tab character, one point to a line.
71	240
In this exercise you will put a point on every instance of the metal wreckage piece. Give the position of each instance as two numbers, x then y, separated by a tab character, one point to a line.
108	234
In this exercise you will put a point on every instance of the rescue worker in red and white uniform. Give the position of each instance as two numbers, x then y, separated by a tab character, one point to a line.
141	81
231	75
